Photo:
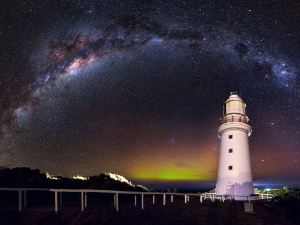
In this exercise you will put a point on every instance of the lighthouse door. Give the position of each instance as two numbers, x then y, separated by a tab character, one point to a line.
230	189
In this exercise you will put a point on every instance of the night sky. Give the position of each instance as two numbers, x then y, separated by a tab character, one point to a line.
137	87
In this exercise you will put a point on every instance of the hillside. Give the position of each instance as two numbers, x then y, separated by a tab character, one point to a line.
24	177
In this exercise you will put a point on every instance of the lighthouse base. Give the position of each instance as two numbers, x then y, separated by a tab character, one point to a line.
236	191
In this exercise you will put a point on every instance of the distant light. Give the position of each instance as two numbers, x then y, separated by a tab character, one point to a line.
78	177
118	177
51	176
268	189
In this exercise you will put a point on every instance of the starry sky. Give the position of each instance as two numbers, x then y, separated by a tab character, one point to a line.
137	87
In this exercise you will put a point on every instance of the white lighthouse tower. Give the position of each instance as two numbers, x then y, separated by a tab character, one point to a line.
234	169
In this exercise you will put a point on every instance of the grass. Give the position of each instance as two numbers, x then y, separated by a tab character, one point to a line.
177	213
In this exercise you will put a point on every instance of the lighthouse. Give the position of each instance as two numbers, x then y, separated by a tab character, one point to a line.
234	168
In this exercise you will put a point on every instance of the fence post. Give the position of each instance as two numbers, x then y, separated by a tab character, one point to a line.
185	199
153	199
117	202
201	198
85	199
55	202
82	201
20	200
188	198
135	200
172	199
164	199
142	196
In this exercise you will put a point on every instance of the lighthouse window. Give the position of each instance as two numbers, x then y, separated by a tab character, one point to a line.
230	150
229	167
230	136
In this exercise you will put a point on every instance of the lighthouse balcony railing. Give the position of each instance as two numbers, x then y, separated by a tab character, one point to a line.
241	119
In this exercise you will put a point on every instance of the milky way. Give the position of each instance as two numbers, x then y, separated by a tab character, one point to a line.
104	85
64	57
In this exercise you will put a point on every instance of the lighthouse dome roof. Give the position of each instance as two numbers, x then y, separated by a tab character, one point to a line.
234	96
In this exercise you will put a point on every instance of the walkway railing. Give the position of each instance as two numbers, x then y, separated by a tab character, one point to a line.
265	196
22	196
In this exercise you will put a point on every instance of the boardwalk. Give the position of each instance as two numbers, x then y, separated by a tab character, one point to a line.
84	193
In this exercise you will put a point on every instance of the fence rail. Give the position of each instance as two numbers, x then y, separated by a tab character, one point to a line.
265	196
22	196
